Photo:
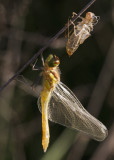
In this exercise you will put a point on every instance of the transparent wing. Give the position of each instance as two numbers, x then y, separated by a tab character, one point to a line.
28	86
65	109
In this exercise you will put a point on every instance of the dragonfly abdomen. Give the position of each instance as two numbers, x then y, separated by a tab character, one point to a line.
45	98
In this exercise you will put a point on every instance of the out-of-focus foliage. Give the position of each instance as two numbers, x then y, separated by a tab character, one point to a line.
25	27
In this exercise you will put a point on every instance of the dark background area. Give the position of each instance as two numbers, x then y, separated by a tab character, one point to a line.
25	27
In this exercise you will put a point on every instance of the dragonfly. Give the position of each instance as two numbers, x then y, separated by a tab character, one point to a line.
59	104
80	32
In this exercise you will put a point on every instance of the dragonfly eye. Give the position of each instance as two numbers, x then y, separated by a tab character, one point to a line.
56	60
53	61
95	19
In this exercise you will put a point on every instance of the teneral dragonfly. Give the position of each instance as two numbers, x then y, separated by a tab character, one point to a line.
59	104
80	32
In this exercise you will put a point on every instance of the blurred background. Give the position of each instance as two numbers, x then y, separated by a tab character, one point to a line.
25	27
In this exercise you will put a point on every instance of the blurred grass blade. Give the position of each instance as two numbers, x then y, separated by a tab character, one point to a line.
61	145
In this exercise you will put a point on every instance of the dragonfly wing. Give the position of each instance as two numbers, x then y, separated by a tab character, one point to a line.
28	86
65	109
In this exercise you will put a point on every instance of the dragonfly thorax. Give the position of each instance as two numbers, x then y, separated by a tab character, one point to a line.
51	75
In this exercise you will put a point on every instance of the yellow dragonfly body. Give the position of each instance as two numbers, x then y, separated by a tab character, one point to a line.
58	104
80	32
51	78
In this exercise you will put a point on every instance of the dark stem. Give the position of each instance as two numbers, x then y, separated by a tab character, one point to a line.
47	45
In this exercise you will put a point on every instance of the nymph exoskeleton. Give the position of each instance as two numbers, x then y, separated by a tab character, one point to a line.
80	32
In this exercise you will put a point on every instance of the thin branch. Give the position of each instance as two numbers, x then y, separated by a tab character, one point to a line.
47	45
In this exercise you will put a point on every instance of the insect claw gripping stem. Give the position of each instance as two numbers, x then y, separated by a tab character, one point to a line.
35	67
42	59
74	14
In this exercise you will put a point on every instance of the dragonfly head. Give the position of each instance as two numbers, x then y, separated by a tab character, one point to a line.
90	17
52	61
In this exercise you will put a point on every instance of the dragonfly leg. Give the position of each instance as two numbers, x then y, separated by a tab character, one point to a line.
35	67
72	23
42	59
67	32
74	14
68	29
